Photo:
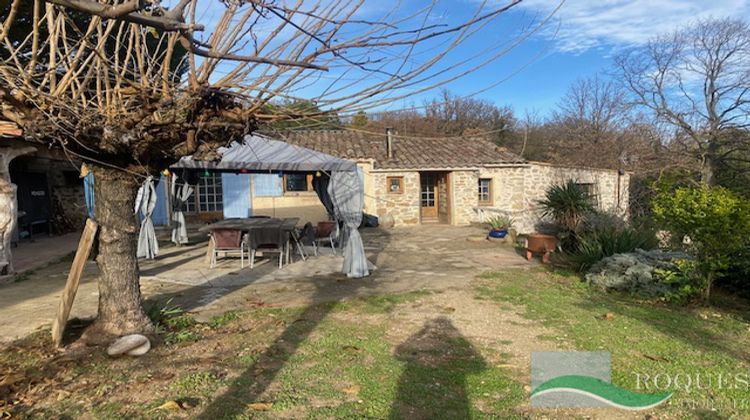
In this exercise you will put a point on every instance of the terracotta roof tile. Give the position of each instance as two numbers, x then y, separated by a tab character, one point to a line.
408	153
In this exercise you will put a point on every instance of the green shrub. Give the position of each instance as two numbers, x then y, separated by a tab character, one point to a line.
593	246
600	220
716	221
567	204
501	222
683	279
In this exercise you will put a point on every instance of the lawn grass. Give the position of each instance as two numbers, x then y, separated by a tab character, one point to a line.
326	360
644	337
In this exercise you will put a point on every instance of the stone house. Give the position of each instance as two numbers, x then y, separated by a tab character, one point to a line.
50	193
454	181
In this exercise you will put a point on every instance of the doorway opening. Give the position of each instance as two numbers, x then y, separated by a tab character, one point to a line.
435	197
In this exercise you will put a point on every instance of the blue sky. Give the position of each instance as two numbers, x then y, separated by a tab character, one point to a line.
579	41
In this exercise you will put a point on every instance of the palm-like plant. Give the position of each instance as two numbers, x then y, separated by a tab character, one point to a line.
567	204
501	222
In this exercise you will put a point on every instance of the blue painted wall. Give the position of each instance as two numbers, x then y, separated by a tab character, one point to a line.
268	185
236	195
88	191
160	216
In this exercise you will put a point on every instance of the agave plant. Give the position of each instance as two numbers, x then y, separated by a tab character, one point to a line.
501	222
567	204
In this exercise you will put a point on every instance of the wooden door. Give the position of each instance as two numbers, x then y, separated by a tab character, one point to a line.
428	196
444	198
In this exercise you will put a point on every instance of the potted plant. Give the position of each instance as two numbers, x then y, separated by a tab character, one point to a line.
499	226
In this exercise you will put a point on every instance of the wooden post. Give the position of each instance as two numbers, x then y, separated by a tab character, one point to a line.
209	252
74	278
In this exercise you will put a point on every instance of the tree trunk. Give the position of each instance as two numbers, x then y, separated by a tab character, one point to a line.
708	167
120	309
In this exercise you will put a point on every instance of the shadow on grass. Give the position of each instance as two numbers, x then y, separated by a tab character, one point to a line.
433	385
250	385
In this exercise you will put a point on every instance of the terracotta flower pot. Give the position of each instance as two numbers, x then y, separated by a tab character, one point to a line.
540	243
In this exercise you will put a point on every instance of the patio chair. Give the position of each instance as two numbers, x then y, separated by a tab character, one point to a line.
270	242
325	232
296	241
228	241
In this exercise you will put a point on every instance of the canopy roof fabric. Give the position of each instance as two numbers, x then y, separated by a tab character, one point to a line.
260	153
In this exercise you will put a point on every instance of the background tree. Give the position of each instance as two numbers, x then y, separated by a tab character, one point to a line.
136	84
696	81
359	120
448	115
454	115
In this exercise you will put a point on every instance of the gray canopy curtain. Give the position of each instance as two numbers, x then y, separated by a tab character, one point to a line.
260	153
347	195
179	196
145	202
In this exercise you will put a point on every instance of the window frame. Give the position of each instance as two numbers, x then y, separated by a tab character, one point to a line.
590	188
388	184
489	201
194	204
308	184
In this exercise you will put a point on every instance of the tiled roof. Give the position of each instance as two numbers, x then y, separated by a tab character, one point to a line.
408	152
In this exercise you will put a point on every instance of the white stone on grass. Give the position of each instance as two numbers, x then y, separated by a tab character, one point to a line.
140	351
129	343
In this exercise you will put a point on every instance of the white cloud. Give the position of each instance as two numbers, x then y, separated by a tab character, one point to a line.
586	24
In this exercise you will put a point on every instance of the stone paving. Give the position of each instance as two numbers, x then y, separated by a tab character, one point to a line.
407	259
32	254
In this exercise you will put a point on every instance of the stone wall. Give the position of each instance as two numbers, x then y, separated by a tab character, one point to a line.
402	207
517	190
465	196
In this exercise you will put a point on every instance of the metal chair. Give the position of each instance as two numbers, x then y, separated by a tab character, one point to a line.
228	241
325	232
268	240
271	248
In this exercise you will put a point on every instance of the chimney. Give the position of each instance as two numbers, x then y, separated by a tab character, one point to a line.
389	143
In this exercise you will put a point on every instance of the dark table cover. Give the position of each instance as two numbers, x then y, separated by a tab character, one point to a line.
260	231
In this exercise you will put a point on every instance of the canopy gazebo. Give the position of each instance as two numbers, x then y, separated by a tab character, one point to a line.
339	188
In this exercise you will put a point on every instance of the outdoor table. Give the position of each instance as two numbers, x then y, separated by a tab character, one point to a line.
259	230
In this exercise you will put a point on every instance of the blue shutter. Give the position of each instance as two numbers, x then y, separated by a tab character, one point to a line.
88	191
268	185
160	216
236	195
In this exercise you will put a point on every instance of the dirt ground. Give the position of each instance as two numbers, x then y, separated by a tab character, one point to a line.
439	264
407	259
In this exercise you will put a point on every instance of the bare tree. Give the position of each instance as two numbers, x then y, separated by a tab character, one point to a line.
130	85
698	81
592	109
591	123
447	115
454	115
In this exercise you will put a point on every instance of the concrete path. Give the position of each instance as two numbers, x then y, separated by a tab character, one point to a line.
40	251
407	259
